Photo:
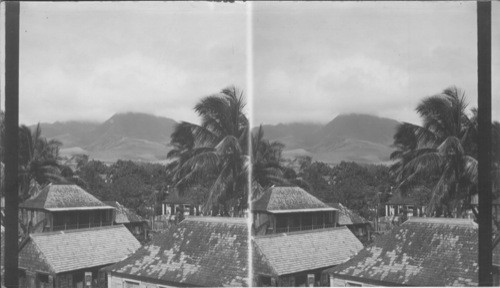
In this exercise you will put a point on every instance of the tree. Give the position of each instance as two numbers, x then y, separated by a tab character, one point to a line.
216	151
440	154
266	161
38	159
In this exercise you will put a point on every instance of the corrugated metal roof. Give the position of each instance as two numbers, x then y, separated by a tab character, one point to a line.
63	197
420	252
123	214
199	251
288	198
62	251
307	250
347	216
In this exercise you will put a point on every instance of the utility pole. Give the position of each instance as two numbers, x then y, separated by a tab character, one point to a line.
484	143
11	141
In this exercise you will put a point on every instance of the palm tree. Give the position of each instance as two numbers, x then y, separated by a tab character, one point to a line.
216	151
266	161
439	154
38	159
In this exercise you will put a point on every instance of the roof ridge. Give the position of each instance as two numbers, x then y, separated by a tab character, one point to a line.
300	232
263	255
212	219
40	252
442	221
71	231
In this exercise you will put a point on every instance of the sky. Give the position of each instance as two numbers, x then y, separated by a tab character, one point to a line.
314	61
88	61
309	61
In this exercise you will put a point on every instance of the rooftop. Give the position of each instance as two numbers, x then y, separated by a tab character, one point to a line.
199	251
123	214
62	251
288	199
57	197
420	252
347	216
306	250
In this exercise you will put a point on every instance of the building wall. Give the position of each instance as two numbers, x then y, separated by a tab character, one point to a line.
336	282
122	282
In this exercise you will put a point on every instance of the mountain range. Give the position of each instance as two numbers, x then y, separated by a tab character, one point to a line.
127	136
142	137
349	137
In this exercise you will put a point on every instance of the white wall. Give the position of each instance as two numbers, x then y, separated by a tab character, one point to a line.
119	282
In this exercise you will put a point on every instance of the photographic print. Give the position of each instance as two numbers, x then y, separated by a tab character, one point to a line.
295	144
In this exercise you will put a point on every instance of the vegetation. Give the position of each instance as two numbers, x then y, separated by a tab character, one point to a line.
439	157
215	152
38	160
266	161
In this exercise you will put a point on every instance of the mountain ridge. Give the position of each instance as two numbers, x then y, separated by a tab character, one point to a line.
354	137
128	136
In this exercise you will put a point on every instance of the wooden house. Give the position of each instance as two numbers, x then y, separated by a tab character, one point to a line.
288	209
399	204
63	207
71	236
175	203
358	225
134	223
72	258
419	252
199	251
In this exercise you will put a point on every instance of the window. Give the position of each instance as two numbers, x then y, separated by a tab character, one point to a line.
131	284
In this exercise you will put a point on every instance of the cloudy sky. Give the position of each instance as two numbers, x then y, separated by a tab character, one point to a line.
88	61
311	61
314	61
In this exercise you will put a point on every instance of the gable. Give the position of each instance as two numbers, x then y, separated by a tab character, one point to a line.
307	250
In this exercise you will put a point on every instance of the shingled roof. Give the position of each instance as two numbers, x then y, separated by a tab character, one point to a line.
288	199
58	197
347	216
307	250
123	214
199	251
63	251
420	252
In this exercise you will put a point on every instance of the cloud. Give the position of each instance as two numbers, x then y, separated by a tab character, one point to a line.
315	61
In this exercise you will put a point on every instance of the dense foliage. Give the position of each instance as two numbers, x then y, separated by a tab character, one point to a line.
139	186
439	157
360	188
216	152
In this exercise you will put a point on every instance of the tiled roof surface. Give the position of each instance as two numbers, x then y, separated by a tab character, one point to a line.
287	198
77	249
420	252
307	250
123	214
347	216
199	251
62	196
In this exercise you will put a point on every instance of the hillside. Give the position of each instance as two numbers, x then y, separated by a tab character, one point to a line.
351	137
127	136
